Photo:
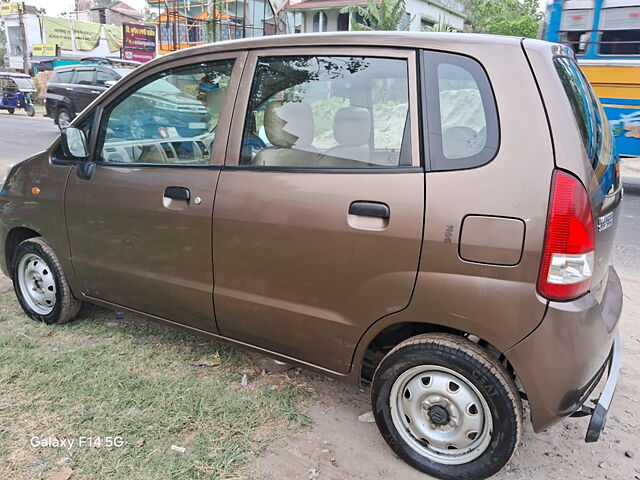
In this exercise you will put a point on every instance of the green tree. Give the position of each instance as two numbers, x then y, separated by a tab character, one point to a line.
504	17
385	15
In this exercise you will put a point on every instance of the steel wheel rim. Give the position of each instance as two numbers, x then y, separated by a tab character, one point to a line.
440	414
63	119
37	284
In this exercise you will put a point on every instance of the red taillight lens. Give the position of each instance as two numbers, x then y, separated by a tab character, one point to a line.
568	254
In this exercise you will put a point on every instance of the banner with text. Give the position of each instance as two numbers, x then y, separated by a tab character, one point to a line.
85	35
138	42
58	31
45	49
10	8
114	37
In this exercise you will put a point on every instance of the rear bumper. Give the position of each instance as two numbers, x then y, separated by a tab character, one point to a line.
561	362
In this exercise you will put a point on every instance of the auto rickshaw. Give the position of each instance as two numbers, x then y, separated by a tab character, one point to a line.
17	92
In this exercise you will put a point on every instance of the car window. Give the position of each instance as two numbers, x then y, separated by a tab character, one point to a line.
103	76
592	122
326	112
84	77
461	112
64	76
169	119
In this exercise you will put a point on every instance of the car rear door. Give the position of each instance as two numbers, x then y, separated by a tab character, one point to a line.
84	91
319	209
104	75
58	90
139	225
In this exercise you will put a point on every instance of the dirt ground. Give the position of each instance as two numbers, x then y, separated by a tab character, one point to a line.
339	447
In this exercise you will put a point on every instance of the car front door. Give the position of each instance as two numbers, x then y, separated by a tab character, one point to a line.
319	208
140	226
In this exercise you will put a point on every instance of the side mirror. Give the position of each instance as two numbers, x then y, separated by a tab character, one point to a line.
110	83
74	143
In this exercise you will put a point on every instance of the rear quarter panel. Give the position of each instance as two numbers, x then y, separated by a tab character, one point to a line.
497	303
571	155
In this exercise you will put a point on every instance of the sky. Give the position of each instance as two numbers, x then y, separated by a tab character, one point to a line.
56	7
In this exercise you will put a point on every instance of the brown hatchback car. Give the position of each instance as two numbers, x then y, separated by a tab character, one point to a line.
432	214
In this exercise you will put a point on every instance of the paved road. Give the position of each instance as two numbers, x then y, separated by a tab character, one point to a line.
627	249
21	136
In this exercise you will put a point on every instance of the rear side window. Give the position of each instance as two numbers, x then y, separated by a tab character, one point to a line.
592	122
62	77
327	112
85	77
104	76
461	112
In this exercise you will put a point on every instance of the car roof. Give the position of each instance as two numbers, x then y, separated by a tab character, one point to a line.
14	75
377	39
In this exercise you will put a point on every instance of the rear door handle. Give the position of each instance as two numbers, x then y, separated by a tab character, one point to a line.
370	209
177	193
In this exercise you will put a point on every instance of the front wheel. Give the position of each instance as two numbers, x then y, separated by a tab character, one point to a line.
31	111
447	407
40	284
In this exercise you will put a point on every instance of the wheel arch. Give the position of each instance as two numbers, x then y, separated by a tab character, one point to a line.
380	339
15	237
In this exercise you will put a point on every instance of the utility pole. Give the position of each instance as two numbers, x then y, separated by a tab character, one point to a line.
244	18
23	40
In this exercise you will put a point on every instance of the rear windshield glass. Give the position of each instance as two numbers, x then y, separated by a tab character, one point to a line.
594	129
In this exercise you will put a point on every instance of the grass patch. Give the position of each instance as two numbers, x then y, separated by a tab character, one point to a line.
89	379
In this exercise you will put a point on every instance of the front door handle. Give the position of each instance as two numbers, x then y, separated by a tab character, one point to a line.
177	193
370	209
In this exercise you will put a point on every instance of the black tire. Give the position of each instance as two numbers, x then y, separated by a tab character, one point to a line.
66	306
11	110
479	369
31	111
63	115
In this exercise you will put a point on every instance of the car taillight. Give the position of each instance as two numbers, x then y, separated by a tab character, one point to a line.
568	253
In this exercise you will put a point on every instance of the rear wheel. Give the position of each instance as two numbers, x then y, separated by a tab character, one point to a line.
63	118
40	284
447	407
11	110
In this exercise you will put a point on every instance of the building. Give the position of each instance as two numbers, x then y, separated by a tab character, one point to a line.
64	39
186	23
114	15
325	15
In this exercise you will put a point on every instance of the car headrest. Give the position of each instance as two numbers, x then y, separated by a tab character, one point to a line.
352	126
289	124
